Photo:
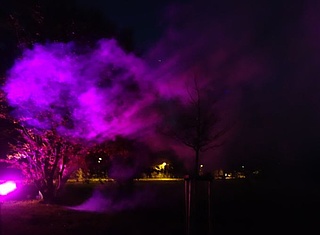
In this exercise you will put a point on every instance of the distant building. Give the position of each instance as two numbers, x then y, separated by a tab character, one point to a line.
241	173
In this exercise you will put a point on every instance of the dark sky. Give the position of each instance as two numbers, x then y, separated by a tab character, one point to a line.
145	18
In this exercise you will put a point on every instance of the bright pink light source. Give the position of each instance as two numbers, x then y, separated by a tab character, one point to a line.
7	187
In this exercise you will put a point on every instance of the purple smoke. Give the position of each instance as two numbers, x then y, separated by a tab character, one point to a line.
100	201
96	95
103	90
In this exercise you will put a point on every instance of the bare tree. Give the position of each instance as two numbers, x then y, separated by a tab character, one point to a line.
196	124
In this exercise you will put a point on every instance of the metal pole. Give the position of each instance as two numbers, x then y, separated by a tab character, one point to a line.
209	207
189	206
187	192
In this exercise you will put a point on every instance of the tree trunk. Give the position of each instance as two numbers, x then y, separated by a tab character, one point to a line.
48	196
47	189
196	167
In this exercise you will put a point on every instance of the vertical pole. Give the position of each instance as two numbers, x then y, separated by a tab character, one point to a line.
209	207
193	212
0	218
187	205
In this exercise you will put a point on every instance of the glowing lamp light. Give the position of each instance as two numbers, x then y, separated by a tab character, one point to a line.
7	187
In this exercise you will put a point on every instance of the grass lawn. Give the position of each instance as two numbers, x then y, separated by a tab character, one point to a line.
159	208
135	214
31	217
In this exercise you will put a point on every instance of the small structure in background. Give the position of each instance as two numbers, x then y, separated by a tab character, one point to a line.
228	175
164	170
161	170
239	173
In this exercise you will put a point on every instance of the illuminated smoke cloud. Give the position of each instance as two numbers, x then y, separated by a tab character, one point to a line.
96	94
102	91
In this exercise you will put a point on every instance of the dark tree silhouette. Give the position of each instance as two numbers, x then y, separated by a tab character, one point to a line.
195	124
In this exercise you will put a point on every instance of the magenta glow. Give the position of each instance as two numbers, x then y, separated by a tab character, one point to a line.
103	90
7	187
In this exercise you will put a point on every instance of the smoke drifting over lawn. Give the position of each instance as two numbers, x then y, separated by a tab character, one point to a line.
244	54
102	201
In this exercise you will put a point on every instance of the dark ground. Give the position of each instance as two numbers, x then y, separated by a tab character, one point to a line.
158	207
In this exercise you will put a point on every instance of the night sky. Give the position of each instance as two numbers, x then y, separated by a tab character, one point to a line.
145	18
260	57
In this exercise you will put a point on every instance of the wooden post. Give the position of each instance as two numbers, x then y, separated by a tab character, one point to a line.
194	193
